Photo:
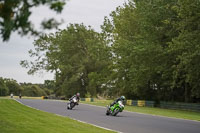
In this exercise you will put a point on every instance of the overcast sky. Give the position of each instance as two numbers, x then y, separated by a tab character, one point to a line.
89	12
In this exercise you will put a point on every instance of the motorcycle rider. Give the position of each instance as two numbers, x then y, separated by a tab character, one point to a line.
122	98
77	96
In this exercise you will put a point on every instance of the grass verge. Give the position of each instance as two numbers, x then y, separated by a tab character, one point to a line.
24	97
190	115
17	118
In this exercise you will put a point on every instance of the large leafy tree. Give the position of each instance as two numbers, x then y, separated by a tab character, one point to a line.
140	33
156	49
186	49
77	55
14	16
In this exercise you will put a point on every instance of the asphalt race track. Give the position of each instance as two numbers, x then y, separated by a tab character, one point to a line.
126	122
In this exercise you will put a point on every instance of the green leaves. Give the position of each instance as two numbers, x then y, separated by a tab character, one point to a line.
14	16
3	88
155	44
147	50
73	54
57	6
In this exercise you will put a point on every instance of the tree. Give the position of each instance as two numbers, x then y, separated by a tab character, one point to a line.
155	47
33	91
15	15
141	31
13	86
75	54
50	84
186	48
3	88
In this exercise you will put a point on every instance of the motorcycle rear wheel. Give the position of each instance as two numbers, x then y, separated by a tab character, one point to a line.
116	111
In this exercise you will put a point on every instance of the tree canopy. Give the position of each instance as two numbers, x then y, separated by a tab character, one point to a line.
10	86
146	50
15	14
78	56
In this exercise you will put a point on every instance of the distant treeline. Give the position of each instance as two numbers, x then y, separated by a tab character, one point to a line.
148	49
8	86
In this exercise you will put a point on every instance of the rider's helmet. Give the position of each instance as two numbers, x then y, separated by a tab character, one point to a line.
122	97
78	94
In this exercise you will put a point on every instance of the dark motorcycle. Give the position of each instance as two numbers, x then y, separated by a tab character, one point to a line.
73	102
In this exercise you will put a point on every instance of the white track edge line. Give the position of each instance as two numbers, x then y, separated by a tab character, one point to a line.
70	118
133	112
146	114
90	124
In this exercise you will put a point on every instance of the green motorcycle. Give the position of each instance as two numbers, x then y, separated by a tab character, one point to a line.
115	109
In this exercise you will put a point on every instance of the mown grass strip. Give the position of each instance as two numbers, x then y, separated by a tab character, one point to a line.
183	114
24	97
17	118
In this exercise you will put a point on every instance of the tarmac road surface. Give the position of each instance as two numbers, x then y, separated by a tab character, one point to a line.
126	122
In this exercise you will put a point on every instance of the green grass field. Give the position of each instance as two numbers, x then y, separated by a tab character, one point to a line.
24	97
190	115
17	118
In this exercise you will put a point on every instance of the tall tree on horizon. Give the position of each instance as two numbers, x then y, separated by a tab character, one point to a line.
78	55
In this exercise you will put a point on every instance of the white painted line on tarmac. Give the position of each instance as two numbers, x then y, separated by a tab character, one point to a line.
91	124
26	105
71	117
146	114
135	112
162	116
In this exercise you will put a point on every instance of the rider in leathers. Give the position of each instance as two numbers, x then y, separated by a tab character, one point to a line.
122	98
77	96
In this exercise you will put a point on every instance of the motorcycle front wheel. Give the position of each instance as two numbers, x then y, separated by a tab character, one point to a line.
72	104
68	105
107	112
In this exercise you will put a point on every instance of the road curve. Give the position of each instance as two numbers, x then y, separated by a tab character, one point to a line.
126	122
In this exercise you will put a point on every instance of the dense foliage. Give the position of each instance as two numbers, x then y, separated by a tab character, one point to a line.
147	50
10	86
15	14
157	49
78	56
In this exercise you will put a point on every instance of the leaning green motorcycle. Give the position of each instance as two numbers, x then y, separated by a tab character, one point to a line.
115	109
